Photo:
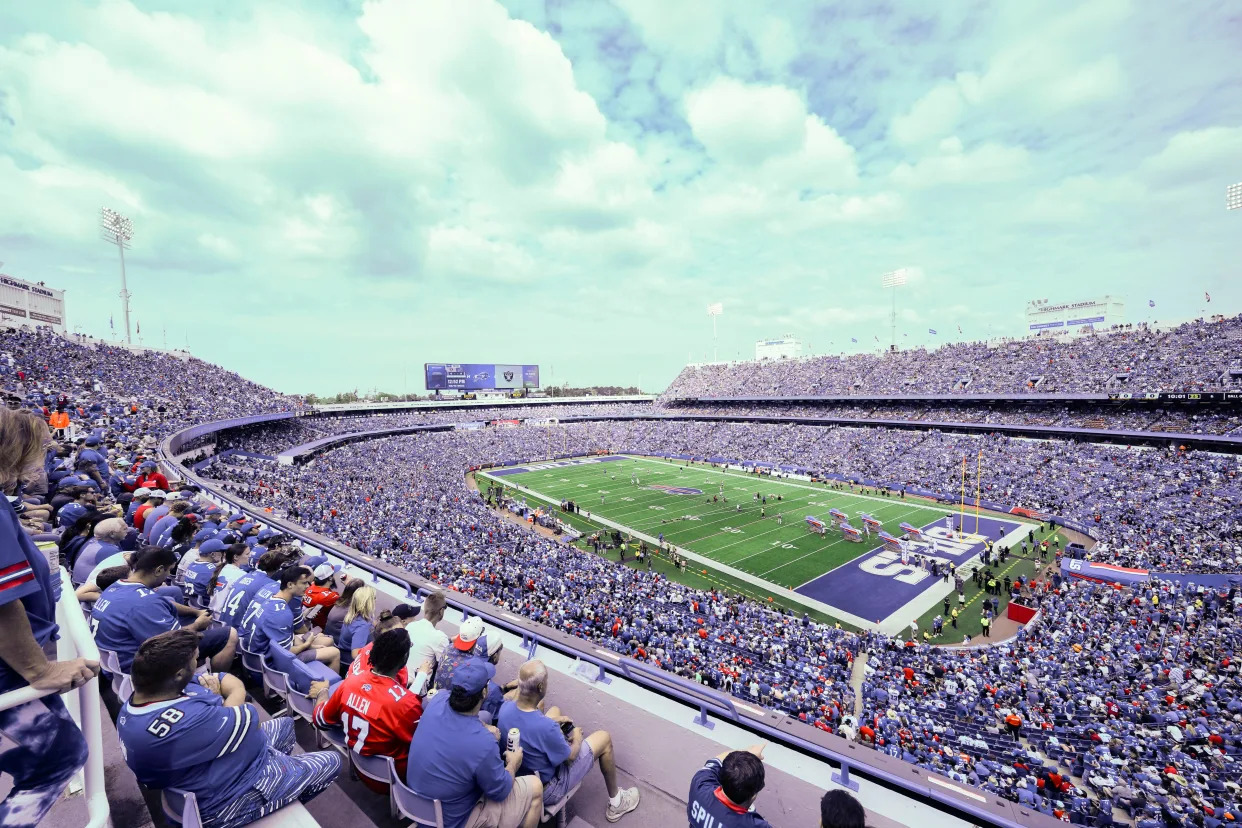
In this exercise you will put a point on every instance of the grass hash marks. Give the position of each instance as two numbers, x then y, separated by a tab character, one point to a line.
787	555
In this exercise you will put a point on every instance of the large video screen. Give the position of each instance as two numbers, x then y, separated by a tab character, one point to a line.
460	376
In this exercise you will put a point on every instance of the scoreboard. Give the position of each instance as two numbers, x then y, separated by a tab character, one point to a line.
474	376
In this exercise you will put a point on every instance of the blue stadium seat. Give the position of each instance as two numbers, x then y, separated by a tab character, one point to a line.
424	812
559	809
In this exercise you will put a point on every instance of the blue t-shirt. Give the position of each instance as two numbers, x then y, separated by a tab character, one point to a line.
267	622
544	746
703	808
195	743
458	762
126	615
24	575
353	636
241	593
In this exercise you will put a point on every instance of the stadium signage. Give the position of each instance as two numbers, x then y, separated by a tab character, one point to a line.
473	376
20	285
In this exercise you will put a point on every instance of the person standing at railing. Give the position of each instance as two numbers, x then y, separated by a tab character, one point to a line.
42	748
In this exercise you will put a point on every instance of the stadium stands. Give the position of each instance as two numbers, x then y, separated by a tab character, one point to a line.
1196	356
1127	701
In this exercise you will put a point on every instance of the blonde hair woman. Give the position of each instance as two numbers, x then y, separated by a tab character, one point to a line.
356	629
41	729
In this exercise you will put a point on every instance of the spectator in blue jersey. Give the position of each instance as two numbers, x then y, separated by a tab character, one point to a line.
93	461
154	520
212	525
200	574
556	751
85	499
271	621
162	530
459	764
105	543
178	733
42	748
131	611
247	587
723	793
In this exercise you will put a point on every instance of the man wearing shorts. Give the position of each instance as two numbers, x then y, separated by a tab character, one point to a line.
457	761
557	752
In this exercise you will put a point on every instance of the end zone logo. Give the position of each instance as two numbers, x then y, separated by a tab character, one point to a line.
677	490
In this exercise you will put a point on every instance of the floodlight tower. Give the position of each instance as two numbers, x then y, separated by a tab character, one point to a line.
714	310
893	280
1233	197
115	228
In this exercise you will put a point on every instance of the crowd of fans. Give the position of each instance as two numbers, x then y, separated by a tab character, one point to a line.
1134	692
1114	416
1196	356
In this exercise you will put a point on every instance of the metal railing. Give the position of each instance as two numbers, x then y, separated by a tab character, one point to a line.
83	704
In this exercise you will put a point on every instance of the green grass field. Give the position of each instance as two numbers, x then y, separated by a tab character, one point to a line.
785	555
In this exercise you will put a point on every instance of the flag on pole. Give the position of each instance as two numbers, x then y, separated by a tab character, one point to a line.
715	309
139	326
959	328
931	331
1151	303
1207	297
110	325
854	340
877	339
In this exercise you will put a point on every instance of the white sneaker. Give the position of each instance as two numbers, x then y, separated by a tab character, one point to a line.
629	801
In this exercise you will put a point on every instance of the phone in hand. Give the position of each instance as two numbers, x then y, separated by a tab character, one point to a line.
568	729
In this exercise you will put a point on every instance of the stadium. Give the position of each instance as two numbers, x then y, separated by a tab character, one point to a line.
970	579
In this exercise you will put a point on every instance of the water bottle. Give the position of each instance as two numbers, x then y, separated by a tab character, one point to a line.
514	740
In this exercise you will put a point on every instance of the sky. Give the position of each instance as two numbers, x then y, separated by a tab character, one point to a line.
327	194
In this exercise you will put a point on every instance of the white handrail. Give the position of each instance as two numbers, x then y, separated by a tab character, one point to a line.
76	642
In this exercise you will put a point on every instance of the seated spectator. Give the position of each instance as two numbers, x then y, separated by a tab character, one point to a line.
387	621
178	733
426	642
229	570
378	714
555	750
337	612
458	761
150	477
200	575
320	595
724	791
270	621
356	627
246	588
155	500
839	809
105	543
131	611
89	593
42	748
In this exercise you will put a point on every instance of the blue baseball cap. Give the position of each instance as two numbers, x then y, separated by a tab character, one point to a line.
237	516
212	546
474	675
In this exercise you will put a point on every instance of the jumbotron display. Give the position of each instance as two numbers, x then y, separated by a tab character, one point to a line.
461	376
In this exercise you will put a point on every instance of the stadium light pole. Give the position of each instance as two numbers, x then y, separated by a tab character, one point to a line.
714	310
1233	197
893	280
115	228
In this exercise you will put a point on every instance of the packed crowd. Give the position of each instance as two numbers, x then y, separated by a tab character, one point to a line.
1157	508
1134	692
1196	356
128	537
1116	416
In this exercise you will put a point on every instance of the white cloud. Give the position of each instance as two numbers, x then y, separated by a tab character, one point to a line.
987	164
1195	155
741	123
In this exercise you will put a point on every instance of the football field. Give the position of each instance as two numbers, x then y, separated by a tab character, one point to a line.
860	582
